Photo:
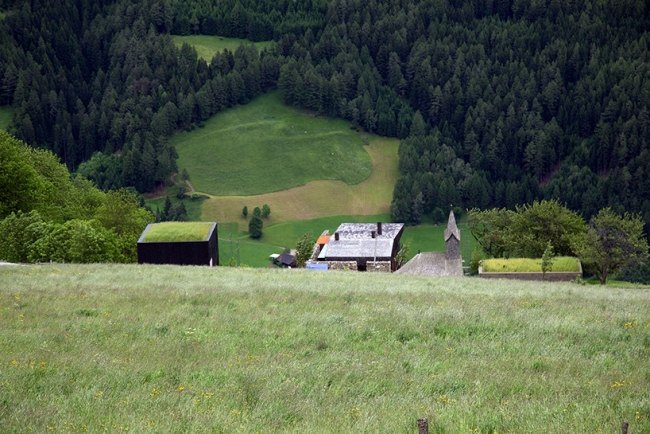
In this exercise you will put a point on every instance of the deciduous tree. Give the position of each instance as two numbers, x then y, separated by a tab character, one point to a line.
612	242
304	249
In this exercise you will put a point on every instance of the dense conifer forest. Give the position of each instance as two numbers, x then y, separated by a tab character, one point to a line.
498	102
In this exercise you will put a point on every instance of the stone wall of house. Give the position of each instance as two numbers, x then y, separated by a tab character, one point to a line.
343	265
378	266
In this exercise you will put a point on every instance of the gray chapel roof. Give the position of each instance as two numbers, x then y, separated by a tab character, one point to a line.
432	264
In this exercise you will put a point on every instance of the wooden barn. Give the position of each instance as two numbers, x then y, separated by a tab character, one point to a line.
179	243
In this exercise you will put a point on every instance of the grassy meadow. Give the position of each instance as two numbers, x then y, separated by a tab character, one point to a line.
266	146
321	198
190	349
207	45
6	113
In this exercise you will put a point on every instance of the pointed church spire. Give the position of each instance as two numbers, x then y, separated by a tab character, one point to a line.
452	228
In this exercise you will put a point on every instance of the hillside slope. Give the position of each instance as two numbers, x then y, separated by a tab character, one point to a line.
267	146
150	348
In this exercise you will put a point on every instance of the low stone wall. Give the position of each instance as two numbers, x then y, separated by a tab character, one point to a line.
371	266
343	265
550	276
379	266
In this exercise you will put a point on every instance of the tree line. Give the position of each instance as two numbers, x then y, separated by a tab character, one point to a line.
250	19
48	215
610	243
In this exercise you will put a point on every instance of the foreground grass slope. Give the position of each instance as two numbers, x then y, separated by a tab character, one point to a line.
207	45
266	146
169	349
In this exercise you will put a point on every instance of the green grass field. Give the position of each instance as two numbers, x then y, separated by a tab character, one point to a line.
6	113
321	198
266	146
207	45
500	265
196	349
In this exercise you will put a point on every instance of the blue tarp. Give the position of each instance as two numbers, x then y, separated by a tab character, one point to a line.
323	267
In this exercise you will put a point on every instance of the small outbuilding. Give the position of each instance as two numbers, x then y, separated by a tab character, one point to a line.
179	243
286	260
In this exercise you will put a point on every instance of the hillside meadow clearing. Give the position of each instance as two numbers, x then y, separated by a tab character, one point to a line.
190	349
267	146
5	117
207	46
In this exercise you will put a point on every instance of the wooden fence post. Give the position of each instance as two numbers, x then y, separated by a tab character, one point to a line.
423	426
624	427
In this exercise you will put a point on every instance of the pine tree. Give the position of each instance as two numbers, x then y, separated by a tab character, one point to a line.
255	227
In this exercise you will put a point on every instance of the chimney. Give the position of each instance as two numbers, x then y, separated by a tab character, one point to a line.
372	234
378	228
336	236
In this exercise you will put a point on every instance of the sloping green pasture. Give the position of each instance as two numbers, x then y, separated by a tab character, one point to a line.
196	349
207	45
266	146
321	198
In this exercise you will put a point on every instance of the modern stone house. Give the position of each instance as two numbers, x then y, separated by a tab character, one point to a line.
360	247
448	263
